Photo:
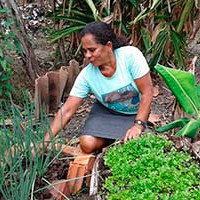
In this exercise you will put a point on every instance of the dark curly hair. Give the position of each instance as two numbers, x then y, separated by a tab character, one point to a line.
103	33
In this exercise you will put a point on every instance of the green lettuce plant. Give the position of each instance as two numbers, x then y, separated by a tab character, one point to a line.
148	168
182	84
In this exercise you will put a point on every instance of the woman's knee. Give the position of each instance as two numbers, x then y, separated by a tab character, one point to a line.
90	144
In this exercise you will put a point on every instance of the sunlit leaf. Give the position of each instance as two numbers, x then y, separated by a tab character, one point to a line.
182	85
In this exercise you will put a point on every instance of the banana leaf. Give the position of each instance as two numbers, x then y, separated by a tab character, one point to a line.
182	85
175	124
190	129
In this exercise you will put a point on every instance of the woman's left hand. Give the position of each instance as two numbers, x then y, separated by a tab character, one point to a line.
132	133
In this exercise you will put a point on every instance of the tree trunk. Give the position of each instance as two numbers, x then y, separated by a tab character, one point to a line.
29	58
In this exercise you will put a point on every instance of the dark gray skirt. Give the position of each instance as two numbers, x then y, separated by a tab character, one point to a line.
105	123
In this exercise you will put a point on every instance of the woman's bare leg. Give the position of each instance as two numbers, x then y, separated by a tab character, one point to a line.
90	144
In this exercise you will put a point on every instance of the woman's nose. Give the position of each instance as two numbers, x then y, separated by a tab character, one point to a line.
87	54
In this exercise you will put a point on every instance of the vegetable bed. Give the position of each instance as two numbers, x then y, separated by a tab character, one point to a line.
151	167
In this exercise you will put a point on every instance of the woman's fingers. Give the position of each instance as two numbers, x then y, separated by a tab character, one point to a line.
132	133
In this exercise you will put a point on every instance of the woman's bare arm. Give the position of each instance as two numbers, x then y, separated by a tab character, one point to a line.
144	85
63	116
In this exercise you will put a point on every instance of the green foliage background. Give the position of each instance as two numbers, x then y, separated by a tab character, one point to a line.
158	28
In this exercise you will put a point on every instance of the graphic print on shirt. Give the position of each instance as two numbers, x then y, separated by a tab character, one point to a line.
125	99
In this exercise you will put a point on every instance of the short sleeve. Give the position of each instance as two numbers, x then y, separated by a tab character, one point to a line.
80	87
137	63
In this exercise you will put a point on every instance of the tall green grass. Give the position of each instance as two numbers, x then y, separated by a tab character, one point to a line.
18	168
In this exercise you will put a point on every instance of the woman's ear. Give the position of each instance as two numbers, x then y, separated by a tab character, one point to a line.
109	44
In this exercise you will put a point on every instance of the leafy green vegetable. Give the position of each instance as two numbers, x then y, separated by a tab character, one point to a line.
148	168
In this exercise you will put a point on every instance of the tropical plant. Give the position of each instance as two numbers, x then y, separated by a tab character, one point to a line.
182	85
159	28
148	168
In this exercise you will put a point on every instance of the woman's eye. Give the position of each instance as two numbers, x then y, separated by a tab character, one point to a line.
92	49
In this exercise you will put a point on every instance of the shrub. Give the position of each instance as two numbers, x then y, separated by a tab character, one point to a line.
151	167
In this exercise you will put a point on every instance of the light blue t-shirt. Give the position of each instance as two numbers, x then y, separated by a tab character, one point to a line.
118	92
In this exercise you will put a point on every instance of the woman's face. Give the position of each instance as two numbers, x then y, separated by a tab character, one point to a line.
95	53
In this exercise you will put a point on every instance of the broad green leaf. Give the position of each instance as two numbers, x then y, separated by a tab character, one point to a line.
175	124
182	85
190	129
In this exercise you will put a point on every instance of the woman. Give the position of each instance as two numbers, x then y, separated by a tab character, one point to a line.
119	77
